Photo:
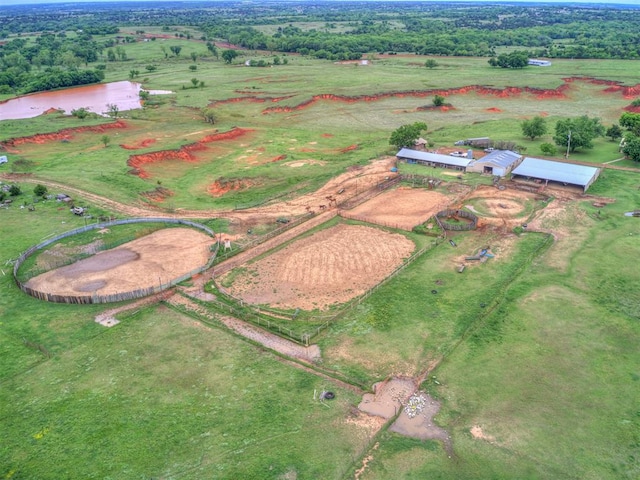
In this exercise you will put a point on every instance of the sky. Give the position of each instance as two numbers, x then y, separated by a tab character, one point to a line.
625	2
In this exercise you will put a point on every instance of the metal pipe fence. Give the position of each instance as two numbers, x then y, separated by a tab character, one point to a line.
119	296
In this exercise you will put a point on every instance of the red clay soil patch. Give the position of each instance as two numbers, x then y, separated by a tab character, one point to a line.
278	158
494	110
64	134
539	93
350	148
222	186
143	144
431	108
184	153
327	135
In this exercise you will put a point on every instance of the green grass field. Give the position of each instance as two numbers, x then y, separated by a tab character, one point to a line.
537	346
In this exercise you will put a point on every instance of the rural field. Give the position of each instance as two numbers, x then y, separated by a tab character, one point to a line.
527	359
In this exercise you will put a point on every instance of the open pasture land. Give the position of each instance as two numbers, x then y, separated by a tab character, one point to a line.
152	260
532	354
310	111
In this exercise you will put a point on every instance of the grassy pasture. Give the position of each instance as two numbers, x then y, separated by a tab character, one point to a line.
116	407
548	367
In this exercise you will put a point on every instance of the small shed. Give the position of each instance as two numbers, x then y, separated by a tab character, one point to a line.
539	63
434	160
546	171
498	162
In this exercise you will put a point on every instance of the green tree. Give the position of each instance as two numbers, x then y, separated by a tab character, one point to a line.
212	49
193	68
105	139
431	64
631	121
406	135
194	82
632	148
40	190
614	132
576	133
175	49
194	56
80	113
548	149
438	100
14	190
113	110
535	127
229	55
209	115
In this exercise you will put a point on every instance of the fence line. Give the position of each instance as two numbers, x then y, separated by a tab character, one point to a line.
116	297
457	213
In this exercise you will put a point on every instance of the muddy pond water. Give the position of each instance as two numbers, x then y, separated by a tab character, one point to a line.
95	98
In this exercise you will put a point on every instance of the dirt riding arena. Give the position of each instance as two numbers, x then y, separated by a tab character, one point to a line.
502	208
329	267
151	260
402	208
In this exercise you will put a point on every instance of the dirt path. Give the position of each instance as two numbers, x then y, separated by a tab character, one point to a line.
349	183
269	340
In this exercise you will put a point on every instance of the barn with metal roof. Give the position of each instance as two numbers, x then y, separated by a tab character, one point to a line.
433	159
498	162
548	171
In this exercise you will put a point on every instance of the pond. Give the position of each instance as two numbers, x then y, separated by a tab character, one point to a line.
95	98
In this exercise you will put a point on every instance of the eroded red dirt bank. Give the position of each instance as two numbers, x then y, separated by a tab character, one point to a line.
507	92
184	153
64	134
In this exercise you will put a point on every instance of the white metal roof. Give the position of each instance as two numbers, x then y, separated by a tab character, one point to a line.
556	171
433	157
500	158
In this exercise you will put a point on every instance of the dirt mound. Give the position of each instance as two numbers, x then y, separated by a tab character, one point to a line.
350	148
632	108
143	144
64	134
494	110
184	153
222	186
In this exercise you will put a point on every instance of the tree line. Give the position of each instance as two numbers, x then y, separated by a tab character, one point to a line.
352	29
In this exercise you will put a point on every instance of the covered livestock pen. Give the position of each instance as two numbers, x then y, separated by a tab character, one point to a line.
434	160
539	171
498	162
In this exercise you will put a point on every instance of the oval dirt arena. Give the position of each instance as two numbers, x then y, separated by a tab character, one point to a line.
148	261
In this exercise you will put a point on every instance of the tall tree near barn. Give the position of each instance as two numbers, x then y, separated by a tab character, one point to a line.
535	127
406	135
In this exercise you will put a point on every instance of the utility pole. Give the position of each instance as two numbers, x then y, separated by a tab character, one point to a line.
568	144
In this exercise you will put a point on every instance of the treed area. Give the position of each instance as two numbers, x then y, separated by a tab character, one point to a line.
321	30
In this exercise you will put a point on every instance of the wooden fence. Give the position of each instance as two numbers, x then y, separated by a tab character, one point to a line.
116	297
457	213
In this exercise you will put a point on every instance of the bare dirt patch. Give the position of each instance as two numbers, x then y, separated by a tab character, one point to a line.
402	208
222	186
150	260
504	208
329	267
